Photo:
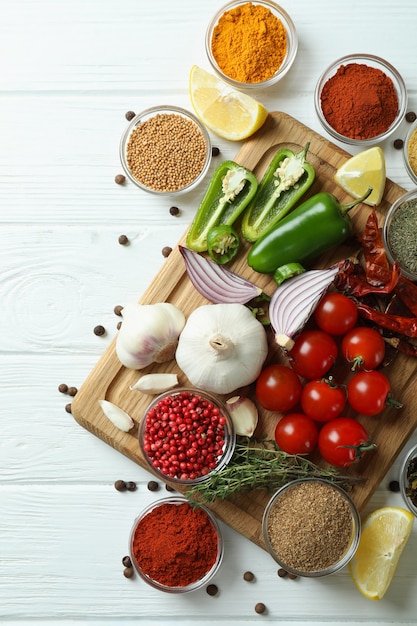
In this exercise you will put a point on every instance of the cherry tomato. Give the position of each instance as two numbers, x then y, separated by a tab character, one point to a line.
313	354
322	399
278	388
296	433
343	441
369	393
336	314
363	347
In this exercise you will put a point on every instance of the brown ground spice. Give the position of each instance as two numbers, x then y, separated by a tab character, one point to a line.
310	526
166	152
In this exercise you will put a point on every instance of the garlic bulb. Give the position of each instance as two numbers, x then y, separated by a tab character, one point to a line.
149	334
222	347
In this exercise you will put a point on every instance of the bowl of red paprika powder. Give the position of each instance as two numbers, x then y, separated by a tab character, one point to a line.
360	99
251	45
176	547
186	435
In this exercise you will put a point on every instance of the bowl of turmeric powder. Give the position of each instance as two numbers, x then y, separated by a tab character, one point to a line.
251	45
360	99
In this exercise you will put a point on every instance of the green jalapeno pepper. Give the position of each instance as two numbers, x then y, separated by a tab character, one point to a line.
231	189
223	243
287	178
317	225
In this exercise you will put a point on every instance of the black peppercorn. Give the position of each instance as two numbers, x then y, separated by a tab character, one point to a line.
260	608
394	486
126	561
129	115
123	240
174	210
99	330
131	486
128	572
292	576
120	485
68	408
212	590
153	485
411	116
248	576
72	391
118	309
119	325
119	179
166	251
398	144
215	151
282	573
169	488
63	388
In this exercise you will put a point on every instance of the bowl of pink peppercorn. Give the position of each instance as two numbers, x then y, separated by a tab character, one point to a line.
185	435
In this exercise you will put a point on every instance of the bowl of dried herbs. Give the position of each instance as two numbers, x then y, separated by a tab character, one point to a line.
408	480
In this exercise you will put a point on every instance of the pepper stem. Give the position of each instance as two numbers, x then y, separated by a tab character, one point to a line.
347	207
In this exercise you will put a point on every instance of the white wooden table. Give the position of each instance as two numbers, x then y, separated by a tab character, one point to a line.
69	71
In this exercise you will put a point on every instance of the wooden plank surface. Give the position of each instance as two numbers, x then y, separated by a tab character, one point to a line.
111	381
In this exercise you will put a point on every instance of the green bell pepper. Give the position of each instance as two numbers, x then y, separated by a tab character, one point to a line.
287	178
231	189
223	243
317	225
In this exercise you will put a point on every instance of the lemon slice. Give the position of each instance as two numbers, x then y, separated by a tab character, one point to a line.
363	170
385	533
228	113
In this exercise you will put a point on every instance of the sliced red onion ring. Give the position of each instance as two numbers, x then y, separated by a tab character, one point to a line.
293	302
215	282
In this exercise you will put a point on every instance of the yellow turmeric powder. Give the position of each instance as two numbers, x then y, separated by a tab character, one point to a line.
249	43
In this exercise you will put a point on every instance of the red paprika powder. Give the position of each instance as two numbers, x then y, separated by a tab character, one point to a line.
175	544
359	101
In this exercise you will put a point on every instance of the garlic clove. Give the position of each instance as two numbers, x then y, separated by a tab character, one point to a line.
244	415
155	383
116	415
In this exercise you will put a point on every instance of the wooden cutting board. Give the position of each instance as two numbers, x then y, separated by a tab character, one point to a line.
111	381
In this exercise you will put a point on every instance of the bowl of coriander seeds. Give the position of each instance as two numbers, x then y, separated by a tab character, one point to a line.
165	150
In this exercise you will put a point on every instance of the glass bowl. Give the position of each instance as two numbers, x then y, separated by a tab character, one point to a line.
164	545
410	152
190	448
165	150
291	48
311	527
370	61
399	233
404	480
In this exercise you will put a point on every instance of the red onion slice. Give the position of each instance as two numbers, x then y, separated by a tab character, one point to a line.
293	302
215	282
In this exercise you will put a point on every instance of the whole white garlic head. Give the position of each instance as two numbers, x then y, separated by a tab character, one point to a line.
222	347
148	334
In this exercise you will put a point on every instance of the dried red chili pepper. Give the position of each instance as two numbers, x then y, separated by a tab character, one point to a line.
377	267
396	323
352	279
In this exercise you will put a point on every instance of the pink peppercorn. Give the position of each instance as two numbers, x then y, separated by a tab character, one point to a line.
184	435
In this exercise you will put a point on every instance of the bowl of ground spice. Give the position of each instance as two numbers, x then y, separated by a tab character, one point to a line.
399	233
360	99
165	150
251	45
311	527
410	152
408	479
176	547
186	435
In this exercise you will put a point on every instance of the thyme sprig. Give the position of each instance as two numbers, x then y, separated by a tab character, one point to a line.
262	465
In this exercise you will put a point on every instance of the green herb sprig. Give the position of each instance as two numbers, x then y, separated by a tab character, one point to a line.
262	465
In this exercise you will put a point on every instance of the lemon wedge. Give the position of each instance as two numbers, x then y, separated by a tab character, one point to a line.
228	113
363	170
385	533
